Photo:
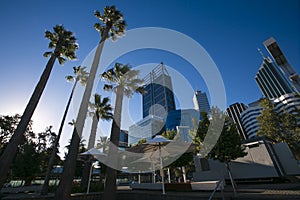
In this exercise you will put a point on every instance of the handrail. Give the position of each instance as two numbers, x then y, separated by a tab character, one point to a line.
222	180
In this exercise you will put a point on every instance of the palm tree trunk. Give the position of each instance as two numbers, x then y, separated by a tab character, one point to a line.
54	148
65	185
10	151
111	173
91	144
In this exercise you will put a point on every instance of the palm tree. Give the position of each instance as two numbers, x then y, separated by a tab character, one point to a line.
101	109
103	143
123	81
64	44
111	25
80	75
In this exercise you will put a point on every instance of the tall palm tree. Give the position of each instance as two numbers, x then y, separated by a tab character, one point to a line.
123	81
101	109
111	25
80	76
64	44
103	143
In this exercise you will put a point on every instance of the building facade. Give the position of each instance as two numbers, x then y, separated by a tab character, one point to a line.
271	81
123	141
273	48
201	102
158	99
145	129
185	117
287	103
234	112
249	119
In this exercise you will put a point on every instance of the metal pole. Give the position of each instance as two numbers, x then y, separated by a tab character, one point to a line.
169	175
162	172
89	183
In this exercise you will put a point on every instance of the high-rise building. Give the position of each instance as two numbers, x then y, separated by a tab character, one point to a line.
185	117
201	102
274	49
123	141
145	129
158	98
289	103
271	81
249	119
234	111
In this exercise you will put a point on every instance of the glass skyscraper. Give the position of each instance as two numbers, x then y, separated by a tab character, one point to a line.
271	81
234	111
158	99
274	49
201	102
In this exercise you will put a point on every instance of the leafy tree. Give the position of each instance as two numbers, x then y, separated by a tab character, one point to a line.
184	160
123	81
80	75
44	147
269	121
64	44
142	141
101	109
8	125
280	127
26	163
228	147
201	131
111	25
169	134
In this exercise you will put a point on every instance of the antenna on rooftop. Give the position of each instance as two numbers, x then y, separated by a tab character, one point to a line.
261	53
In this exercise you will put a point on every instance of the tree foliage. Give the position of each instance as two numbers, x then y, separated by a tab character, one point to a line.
228	146
34	152
280	127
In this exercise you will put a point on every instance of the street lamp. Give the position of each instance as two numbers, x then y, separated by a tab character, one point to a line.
96	166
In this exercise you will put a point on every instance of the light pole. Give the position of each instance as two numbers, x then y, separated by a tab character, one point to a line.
96	166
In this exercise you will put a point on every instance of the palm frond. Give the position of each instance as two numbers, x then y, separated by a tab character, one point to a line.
107	87
47	54
70	78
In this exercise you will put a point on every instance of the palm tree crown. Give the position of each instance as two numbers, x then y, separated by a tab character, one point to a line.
111	23
123	77
101	108
80	74
63	42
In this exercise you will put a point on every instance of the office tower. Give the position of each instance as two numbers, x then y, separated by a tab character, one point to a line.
289	103
274	49
123	141
145	129
249	119
234	111
271	81
185	117
158	98
201	102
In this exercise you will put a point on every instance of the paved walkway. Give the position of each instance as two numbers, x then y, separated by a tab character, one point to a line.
284	191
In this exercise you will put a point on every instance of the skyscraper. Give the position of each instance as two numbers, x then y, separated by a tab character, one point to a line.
249	119
158	98
273	48
234	111
201	102
271	81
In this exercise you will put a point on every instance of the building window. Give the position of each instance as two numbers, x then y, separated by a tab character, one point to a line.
204	164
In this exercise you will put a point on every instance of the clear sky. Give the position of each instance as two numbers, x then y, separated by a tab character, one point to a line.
230	31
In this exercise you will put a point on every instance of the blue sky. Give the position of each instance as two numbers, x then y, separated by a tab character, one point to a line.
230	32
